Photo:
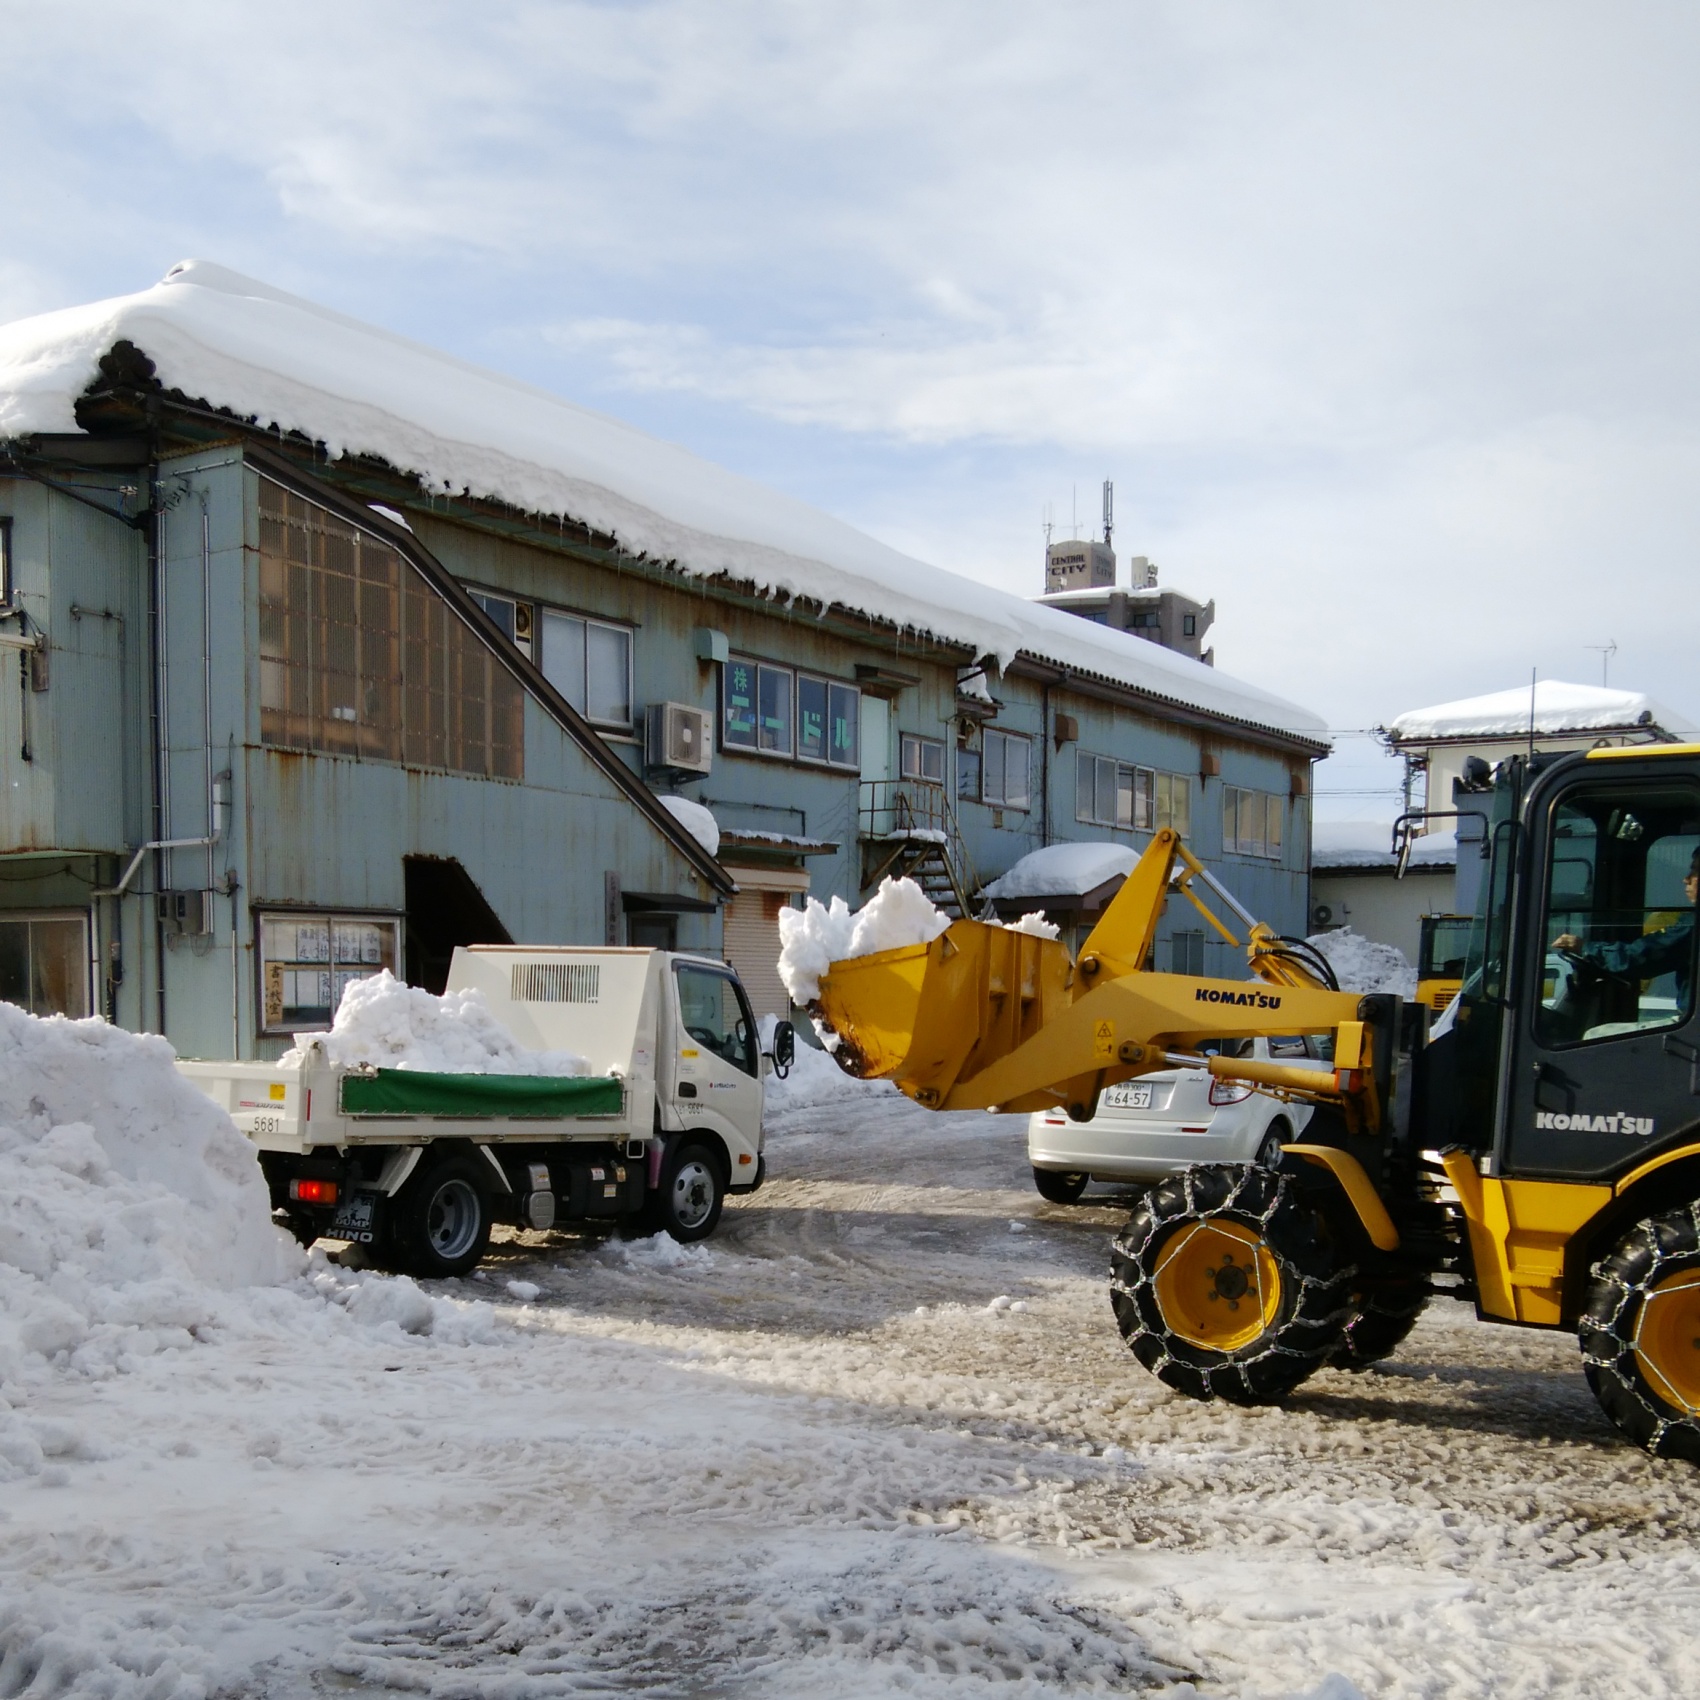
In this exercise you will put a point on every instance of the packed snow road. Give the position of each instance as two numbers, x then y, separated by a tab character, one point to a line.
879	1435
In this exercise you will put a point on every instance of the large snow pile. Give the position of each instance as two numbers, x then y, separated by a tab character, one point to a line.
127	1200
386	1024
283	362
1558	708
814	937
1362	965
1063	870
698	821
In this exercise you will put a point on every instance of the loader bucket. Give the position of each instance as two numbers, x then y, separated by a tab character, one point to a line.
926	1016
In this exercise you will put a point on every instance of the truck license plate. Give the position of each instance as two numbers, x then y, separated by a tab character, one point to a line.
353	1220
1131	1095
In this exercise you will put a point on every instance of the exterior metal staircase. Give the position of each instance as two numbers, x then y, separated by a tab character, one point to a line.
908	830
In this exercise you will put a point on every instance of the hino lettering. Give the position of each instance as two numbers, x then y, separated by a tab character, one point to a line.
1617	1122
1252	1000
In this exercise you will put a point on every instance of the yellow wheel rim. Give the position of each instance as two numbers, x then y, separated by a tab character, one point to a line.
1216	1285
1667	1340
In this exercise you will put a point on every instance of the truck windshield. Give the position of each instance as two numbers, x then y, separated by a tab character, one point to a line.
713	1012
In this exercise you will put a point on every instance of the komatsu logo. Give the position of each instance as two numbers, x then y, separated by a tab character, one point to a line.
1252	1000
1617	1122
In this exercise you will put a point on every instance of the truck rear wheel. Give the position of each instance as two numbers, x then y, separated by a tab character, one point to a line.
1225	1285
1640	1334
1384	1311
440	1221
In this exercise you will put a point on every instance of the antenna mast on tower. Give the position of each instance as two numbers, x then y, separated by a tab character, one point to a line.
1109	509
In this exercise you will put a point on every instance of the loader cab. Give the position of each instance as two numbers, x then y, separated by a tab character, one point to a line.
1577	1041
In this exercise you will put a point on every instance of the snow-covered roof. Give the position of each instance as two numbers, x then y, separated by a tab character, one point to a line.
1560	708
1063	870
1369	844
283	362
1085	595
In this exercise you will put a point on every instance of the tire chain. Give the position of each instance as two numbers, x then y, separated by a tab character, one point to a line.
1271	1366
1618	1287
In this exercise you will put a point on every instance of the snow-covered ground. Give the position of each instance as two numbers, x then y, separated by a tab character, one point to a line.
878	1436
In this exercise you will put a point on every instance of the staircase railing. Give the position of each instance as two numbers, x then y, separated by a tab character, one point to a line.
910	812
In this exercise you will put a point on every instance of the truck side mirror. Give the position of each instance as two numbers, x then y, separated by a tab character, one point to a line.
784	1047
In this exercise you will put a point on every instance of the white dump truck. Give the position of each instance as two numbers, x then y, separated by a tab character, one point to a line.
415	1167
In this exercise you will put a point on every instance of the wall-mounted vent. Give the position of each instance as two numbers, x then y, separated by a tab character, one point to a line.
556	982
679	737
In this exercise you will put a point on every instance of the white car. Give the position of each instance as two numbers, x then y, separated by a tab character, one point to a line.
1150	1128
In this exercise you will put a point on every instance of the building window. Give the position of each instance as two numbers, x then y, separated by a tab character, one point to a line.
44	963
1186	953
359	656
828	722
1006	780
1134	799
756	707
308	961
1189	625
513	617
1253	822
921	758
590	663
968	775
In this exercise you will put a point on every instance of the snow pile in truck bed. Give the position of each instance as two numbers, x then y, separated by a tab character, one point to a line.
816	936
128	1202
287	363
386	1024
1362	965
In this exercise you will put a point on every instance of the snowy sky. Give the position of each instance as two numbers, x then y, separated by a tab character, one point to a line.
1380	317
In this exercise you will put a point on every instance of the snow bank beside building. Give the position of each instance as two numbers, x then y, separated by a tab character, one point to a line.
388	1025
1362	965
816	936
128	1200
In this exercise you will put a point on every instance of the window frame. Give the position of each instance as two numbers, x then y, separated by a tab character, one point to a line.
29	919
1266	807
907	741
1143	789
545	611
331	918
6	587
524	617
1004	739
752	1038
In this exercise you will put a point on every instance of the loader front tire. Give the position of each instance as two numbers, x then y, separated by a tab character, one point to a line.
1640	1334
1384	1311
1225	1284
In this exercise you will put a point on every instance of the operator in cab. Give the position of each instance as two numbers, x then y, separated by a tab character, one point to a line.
1669	951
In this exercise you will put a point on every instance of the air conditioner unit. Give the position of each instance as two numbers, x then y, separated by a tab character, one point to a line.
679	737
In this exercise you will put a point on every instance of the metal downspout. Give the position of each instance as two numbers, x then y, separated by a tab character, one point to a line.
157	724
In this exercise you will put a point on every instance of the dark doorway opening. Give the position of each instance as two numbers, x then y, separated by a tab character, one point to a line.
653	932
445	908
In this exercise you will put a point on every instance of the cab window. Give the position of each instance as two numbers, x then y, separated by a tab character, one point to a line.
1618	921
713	1013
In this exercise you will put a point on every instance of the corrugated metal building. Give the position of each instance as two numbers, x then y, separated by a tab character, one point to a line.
333	653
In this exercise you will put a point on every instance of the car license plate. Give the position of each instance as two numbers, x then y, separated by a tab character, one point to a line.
1131	1095
353	1220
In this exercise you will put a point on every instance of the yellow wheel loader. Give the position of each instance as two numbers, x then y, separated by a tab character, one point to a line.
1537	1152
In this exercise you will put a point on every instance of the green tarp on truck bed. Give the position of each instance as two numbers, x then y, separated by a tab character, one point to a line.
411	1092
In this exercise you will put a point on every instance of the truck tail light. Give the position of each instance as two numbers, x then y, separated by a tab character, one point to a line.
1228	1092
313	1192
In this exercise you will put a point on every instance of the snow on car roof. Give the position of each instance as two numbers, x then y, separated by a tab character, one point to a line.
289	364
1558	708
